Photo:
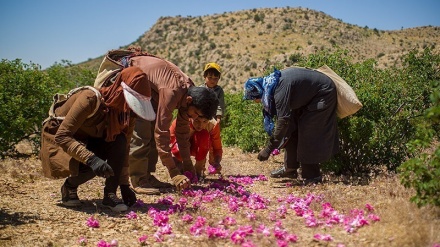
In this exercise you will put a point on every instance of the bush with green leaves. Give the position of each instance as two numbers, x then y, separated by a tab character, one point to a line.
68	76
26	95
25	92
422	172
242	126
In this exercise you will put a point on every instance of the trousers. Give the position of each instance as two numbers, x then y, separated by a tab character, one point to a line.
113	152
143	155
291	159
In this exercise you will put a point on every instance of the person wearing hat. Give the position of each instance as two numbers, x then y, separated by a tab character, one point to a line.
211	74
171	89
304	103
98	139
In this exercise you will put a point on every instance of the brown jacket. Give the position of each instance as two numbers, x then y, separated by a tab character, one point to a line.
76	128
169	92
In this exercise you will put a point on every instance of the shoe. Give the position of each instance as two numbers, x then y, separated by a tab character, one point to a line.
156	183
214	169
200	169
200	177
69	196
312	181
146	188
281	173
114	203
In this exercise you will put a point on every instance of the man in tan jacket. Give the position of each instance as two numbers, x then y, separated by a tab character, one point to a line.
94	134
171	89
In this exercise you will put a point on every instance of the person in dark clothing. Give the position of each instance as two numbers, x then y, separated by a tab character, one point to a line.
304	102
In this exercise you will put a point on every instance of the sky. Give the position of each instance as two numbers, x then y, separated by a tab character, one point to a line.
48	31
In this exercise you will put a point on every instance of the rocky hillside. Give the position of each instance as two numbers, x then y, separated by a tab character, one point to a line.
244	43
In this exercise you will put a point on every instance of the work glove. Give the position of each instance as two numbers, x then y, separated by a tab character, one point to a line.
100	167
128	195
264	154
180	181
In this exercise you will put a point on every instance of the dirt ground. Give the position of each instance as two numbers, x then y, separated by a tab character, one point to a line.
31	213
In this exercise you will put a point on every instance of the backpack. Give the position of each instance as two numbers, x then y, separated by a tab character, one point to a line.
110	66
55	161
114	61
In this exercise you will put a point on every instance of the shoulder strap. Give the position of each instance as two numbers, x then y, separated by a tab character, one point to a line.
61	97
98	95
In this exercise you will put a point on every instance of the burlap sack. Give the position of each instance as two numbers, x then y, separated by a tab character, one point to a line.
348	102
55	162
110	67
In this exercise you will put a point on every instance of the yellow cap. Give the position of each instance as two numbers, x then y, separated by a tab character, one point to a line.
212	66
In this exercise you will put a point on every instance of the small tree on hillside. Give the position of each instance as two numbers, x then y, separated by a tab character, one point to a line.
26	94
422	172
25	97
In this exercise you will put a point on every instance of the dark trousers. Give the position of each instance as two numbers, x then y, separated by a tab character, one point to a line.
291	155
113	152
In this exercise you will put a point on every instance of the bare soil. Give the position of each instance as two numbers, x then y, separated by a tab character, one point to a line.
31	213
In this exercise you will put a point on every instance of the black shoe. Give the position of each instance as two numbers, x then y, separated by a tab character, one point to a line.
311	181
69	196
281	173
114	203
201	177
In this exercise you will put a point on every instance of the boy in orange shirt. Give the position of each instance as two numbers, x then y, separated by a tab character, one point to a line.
204	138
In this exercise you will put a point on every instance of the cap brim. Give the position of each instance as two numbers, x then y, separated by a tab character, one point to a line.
213	69
138	103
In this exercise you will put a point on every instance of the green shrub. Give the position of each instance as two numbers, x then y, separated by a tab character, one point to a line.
422	172
26	95
295	58
68	76
243	126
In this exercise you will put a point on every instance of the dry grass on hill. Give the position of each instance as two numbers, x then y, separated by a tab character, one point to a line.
31	214
245	43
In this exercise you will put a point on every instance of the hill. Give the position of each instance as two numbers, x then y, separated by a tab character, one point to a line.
246	42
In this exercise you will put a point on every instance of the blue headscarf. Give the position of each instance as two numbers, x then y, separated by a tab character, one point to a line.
263	88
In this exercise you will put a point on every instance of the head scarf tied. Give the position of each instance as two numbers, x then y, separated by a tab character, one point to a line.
263	88
114	100
253	88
